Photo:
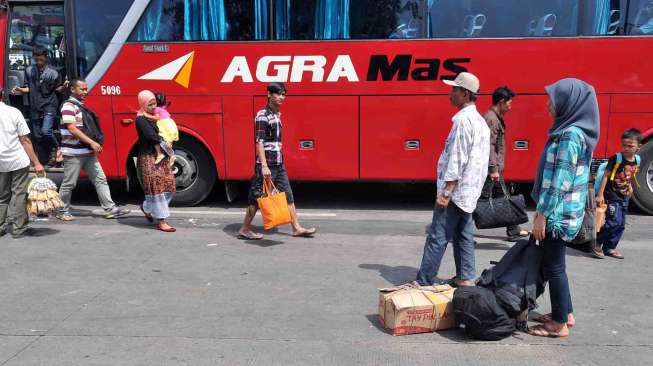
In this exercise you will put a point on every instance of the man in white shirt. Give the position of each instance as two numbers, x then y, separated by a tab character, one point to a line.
16	151
462	169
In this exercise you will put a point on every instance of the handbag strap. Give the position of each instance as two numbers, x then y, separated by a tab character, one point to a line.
502	184
269	187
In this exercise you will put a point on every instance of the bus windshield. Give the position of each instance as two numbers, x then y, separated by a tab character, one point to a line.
96	21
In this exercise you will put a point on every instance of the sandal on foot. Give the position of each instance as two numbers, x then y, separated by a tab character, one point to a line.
250	236
308	233
66	217
545	318
541	331
147	215
614	254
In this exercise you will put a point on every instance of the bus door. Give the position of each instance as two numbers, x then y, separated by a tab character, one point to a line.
30	25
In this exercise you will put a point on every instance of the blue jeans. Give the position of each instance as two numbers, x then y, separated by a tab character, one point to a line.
555	271
449	224
42	130
615	224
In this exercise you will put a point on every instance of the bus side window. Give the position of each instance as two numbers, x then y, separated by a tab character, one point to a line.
640	18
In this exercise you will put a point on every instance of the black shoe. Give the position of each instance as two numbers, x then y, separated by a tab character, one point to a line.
27	232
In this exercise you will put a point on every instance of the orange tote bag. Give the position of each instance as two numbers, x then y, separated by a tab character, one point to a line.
273	206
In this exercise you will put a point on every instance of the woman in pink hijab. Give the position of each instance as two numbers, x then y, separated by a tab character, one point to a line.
158	181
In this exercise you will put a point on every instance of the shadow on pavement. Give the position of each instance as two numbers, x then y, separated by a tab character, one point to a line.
398	275
374	320
232	230
37	232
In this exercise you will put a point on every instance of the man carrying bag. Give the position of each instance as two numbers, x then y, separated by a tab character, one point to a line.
270	168
496	208
81	144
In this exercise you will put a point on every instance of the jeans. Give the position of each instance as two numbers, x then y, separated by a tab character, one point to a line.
494	188
454	224
14	184
72	165
42	130
615	224
555	271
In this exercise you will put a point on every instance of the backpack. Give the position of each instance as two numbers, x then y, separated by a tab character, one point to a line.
91	126
477	309
600	172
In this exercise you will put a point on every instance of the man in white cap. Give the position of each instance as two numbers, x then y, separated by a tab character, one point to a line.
462	169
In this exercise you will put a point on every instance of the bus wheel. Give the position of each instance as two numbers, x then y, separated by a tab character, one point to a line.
643	196
194	171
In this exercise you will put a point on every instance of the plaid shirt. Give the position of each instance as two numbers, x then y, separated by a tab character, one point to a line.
268	132
565	182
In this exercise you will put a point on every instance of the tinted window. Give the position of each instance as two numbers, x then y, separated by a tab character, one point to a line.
346	19
203	20
32	26
502	18
96	21
640	18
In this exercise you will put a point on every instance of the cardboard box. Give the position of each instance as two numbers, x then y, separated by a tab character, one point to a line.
423	309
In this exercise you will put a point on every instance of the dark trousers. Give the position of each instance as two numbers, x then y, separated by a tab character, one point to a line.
43	132
555	271
449	224
615	224
494	188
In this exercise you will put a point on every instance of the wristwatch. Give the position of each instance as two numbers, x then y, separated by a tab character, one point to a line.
446	194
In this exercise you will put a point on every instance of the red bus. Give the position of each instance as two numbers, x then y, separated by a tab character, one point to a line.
366	101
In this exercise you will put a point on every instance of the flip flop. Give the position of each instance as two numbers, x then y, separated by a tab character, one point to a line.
614	254
309	233
250	236
541	331
547	318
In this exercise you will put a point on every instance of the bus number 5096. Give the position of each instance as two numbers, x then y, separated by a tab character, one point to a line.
110	90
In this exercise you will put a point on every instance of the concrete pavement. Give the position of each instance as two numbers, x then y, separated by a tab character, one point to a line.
101	292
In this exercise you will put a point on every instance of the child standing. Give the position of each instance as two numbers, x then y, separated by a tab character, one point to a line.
167	129
615	190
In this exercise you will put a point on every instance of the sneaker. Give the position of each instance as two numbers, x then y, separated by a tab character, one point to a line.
116	212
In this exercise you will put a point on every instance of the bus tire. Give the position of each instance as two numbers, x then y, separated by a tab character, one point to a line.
194	170
643	195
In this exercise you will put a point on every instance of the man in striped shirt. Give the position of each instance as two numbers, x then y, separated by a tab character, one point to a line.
80	151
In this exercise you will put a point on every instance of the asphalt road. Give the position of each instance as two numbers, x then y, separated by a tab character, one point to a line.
118	292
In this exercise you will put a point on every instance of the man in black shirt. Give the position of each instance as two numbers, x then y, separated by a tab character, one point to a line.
270	164
42	82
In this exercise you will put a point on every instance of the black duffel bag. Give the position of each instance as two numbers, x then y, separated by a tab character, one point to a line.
498	212
477	309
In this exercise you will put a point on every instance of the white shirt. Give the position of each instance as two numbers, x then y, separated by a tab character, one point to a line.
12	125
465	158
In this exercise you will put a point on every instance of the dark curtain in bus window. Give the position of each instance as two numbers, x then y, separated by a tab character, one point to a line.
96	22
203	20
311	19
381	19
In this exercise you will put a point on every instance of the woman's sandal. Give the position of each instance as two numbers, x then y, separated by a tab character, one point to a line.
250	236
147	215
168	229
307	233
547	318
541	331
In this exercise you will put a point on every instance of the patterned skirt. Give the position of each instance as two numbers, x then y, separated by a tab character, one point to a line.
158	185
157	178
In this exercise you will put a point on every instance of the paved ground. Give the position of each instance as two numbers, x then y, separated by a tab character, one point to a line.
98	292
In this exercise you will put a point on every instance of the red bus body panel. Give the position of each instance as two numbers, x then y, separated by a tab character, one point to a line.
359	129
